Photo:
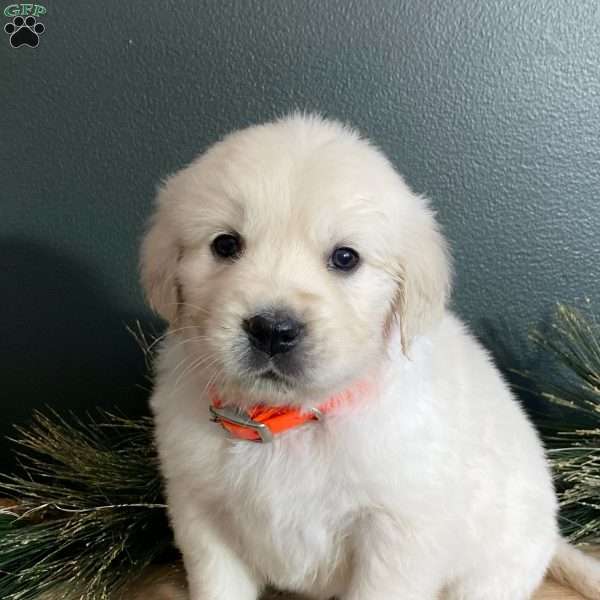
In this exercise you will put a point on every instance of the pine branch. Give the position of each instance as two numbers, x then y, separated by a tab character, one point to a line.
88	512
573	437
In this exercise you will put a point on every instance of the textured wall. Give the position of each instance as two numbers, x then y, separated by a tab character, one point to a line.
490	108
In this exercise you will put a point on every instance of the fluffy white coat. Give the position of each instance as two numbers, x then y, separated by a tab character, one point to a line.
430	483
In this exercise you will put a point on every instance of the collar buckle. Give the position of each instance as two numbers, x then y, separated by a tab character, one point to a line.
240	418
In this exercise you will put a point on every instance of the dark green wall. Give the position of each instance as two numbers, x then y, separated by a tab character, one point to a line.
490	107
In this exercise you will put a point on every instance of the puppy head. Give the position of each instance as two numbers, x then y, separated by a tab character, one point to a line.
284	255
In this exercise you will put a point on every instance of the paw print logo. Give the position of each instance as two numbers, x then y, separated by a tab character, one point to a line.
24	32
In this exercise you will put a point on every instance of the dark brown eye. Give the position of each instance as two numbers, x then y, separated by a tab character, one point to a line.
227	245
344	259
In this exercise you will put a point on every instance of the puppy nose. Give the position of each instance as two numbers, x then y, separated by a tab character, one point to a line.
273	333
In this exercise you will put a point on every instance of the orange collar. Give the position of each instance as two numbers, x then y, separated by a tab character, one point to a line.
261	423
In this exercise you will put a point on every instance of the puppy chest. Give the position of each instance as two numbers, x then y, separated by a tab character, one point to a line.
290	518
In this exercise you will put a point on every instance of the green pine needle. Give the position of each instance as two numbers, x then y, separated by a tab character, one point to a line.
89	514
572	437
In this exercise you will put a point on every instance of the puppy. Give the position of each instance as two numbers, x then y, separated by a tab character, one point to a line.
325	425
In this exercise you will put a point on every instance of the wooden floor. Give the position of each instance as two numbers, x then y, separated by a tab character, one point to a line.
169	584
553	591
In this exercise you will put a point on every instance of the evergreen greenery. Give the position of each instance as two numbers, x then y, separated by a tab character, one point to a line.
572	433
88	514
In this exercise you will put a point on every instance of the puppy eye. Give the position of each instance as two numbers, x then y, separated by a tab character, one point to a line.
344	259
227	245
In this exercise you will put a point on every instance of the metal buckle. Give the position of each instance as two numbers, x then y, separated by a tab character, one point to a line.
317	413
241	418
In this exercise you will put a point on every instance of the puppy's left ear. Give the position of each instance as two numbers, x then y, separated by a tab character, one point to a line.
159	258
424	276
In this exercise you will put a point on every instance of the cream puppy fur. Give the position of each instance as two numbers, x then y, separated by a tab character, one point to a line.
292	262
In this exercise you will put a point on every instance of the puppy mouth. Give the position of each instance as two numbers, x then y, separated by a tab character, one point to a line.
273	376
282	371
269	377
285	372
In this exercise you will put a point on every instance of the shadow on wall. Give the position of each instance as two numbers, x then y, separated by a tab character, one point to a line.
64	345
525	367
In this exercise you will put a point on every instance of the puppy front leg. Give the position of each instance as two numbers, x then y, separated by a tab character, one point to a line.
214	571
392	563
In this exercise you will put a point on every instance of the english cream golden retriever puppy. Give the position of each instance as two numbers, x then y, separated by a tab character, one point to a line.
324	423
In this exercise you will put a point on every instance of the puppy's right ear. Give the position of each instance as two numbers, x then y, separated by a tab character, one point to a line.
424	275
159	258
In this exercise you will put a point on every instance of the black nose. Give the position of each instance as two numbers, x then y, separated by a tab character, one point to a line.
273	333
